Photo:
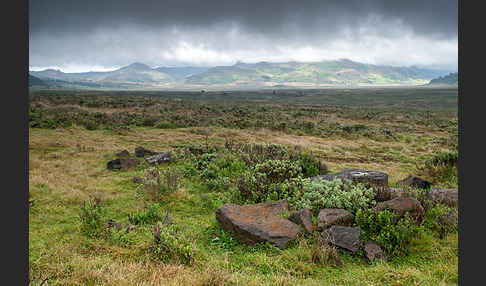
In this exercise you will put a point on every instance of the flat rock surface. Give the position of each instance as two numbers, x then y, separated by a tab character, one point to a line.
254	223
401	205
448	197
159	158
330	217
343	236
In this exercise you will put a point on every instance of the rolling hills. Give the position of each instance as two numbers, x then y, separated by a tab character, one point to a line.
246	75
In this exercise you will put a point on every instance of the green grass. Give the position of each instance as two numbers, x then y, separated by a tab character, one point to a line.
67	166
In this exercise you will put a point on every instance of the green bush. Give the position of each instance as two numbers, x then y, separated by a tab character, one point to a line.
442	168
169	245
92	218
319	194
310	165
432	220
271	180
380	227
150	215
121	237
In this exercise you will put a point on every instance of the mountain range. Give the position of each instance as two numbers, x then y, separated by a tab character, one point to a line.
450	79
333	73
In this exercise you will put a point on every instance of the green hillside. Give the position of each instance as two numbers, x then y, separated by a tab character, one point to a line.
35	81
450	79
263	74
340	72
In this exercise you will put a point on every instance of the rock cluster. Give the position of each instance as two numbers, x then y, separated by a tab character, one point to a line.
264	222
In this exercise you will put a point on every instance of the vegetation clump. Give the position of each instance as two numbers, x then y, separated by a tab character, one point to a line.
319	194
382	228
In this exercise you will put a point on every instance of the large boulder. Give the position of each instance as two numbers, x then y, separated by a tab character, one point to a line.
343	236
159	158
373	251
330	217
122	163
371	179
448	197
255	223
415	182
401	205
141	151
303	217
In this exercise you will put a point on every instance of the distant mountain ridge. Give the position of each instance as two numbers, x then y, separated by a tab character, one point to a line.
262	74
450	79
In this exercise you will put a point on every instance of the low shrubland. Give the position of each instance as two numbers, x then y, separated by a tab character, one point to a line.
162	228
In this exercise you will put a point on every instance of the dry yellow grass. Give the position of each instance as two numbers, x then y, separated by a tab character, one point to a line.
67	167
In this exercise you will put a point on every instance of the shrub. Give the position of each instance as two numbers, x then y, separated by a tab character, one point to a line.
157	183
380	227
122	237
92	218
442	168
310	165
271	180
150	215
432	220
319	194
170	245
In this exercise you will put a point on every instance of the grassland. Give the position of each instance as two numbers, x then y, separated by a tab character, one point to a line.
73	134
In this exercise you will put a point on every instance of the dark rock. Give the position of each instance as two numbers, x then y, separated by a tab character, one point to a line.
303	217
137	180
123	153
330	217
401	205
254	223
415	182
448	197
397	192
122	163
141	152
159	158
373	251
343	236
374	179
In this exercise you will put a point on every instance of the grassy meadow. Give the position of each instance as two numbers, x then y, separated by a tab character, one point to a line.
73	134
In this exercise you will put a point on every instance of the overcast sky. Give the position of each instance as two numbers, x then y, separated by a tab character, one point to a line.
103	35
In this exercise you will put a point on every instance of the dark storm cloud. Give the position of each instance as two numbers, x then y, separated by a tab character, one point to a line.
64	28
427	17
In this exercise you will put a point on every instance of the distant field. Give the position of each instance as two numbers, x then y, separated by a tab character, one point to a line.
73	134
415	98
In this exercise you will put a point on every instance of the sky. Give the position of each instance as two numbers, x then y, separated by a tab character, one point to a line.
102	35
